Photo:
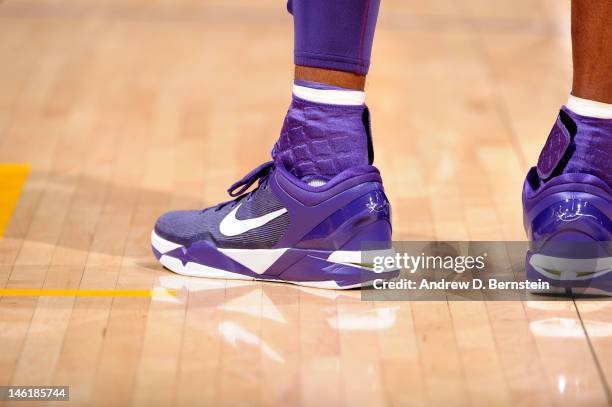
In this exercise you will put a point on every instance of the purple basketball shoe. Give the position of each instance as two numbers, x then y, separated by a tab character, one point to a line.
284	230
567	202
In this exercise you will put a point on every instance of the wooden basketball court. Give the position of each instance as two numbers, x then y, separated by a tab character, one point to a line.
114	111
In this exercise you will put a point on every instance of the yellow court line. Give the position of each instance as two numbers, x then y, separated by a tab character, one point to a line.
12	178
36	292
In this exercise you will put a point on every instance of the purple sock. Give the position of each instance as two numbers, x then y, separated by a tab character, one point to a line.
334	34
320	140
578	144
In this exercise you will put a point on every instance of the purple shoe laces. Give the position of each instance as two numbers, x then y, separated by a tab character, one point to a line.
238	188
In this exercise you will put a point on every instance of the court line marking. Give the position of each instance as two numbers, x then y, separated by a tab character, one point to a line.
41	292
12	179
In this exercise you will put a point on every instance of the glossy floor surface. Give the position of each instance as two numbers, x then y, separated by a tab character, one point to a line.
126	108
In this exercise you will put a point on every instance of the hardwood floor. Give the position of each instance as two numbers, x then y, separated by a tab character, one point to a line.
123	109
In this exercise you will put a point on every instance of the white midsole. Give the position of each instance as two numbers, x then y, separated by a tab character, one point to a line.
199	270
570	268
162	245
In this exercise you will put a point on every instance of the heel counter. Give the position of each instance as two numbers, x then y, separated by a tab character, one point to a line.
377	235
572	217
367	218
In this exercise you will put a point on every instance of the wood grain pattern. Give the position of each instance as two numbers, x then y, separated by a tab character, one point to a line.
126	108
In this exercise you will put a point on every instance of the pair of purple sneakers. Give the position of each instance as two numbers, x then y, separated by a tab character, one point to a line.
291	231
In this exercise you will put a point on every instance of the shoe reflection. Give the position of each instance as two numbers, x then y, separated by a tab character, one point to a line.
283	304
570	328
234	334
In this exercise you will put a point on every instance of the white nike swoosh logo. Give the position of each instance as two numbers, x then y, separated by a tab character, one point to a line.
230	226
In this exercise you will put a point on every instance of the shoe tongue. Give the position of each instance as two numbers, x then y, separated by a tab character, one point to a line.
555	148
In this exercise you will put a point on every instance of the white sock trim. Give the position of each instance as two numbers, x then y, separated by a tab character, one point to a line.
589	108
330	96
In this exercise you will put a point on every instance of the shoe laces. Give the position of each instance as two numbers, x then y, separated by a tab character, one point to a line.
238	189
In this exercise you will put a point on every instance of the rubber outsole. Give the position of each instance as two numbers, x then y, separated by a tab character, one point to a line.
163	246
590	276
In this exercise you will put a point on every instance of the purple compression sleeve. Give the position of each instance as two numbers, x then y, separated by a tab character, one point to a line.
334	34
